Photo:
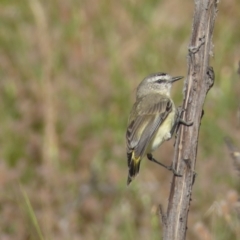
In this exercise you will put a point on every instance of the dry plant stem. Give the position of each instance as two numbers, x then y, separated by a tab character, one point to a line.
50	146
199	80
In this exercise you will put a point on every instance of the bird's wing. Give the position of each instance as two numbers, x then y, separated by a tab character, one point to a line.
145	118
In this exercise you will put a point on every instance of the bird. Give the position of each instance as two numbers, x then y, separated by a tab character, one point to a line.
152	120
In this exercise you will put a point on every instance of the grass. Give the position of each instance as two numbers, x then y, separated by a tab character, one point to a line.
68	79
31	214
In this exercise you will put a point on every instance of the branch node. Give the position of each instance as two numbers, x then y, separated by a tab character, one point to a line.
162	216
187	162
210	77
194	177
195	49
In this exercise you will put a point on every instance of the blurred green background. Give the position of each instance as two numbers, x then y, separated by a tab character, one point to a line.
69	70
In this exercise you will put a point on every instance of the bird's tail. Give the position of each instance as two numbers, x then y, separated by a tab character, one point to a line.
133	166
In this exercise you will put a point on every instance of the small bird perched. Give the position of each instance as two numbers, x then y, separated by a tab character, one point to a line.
152	120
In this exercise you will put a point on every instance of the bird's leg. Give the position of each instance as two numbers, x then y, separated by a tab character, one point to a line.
170	168
180	121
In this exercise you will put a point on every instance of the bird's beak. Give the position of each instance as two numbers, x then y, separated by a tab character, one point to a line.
174	79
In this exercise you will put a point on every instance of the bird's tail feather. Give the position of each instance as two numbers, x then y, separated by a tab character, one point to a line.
133	166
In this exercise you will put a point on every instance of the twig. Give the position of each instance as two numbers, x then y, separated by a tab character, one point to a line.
200	79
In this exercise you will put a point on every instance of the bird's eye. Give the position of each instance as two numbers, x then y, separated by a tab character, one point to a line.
161	81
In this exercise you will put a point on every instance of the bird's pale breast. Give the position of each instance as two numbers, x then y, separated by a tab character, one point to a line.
163	132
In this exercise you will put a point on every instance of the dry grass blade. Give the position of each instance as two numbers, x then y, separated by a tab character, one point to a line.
50	146
31	213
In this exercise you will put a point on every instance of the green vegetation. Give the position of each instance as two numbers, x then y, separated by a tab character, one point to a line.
68	72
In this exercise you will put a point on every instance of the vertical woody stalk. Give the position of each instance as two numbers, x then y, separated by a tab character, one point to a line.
199	80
